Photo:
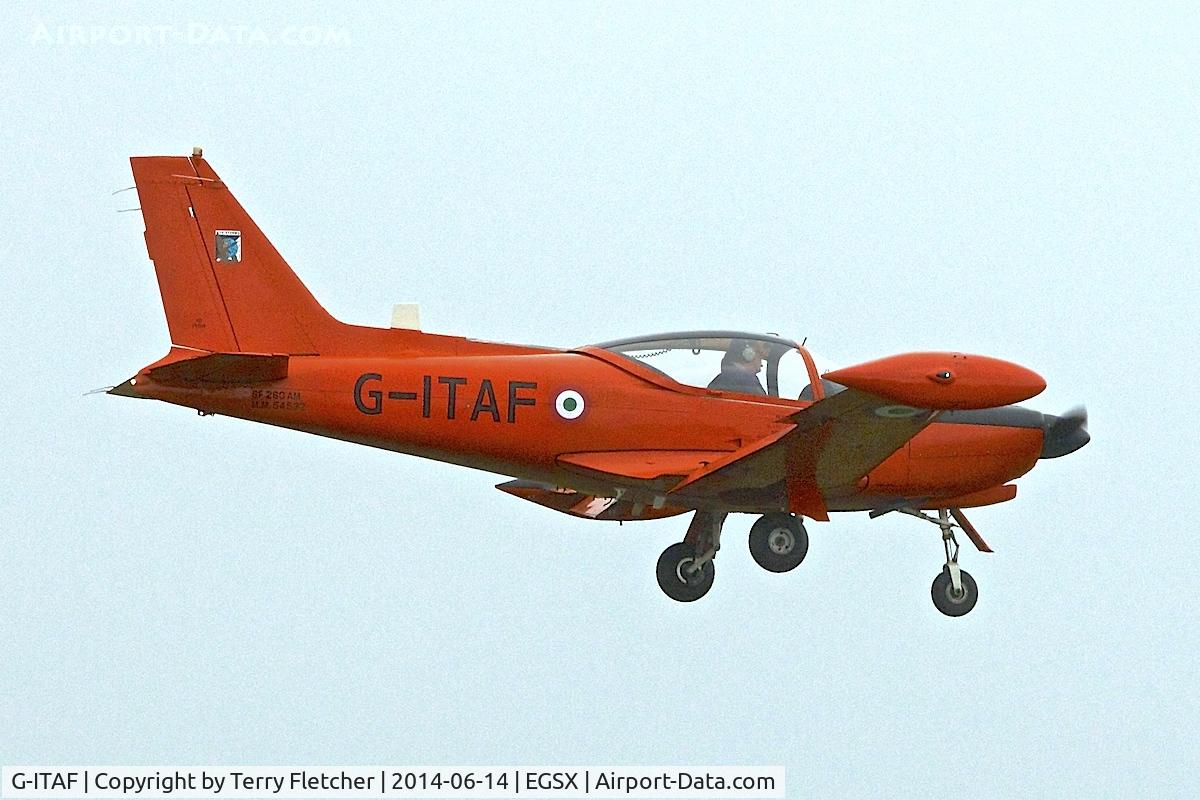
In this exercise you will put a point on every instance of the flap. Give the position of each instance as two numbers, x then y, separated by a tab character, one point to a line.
643	464
586	506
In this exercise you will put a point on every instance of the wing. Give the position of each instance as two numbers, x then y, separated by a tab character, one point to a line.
831	445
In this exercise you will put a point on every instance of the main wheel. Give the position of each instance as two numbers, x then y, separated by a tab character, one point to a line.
674	579
778	542
949	602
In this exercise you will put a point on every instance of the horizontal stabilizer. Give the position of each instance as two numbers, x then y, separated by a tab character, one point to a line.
222	369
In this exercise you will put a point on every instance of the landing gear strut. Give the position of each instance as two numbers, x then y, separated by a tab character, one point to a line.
954	591
685	569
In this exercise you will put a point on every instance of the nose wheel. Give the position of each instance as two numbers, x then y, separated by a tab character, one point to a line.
954	591
952	601
778	542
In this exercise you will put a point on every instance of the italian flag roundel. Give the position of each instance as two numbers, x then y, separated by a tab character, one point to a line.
569	404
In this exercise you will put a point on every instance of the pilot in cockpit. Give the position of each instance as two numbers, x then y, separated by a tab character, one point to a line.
740	367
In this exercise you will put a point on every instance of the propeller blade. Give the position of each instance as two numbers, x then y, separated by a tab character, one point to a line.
1065	434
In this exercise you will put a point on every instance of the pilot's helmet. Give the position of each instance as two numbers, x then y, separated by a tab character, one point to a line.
744	351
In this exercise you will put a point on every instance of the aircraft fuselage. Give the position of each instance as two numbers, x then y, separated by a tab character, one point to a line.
501	413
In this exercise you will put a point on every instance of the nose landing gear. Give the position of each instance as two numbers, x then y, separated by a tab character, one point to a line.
954	591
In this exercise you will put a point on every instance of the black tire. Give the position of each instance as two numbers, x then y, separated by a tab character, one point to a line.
946	601
778	542
675	582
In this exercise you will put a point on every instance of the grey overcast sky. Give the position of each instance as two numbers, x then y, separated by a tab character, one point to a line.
1015	179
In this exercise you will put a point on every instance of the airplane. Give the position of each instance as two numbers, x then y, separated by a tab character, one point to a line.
634	429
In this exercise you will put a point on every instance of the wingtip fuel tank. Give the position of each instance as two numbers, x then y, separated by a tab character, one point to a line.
949	381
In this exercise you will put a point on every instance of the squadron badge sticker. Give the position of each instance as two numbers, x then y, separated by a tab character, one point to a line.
229	246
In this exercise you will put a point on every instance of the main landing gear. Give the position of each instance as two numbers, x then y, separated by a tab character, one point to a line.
778	542
685	570
954	591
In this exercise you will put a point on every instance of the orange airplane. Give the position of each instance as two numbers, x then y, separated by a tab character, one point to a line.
706	422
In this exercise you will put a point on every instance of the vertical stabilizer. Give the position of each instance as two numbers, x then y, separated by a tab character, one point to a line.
224	286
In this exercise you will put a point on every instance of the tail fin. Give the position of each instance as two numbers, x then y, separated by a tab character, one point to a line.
224	287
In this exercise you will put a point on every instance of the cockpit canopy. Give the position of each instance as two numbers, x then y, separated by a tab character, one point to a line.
711	358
